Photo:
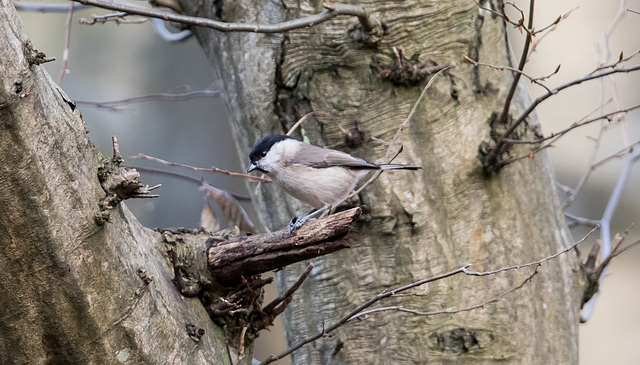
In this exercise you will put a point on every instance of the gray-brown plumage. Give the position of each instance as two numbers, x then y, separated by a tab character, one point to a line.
317	176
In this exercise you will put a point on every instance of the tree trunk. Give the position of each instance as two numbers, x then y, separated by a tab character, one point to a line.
420	223
74	289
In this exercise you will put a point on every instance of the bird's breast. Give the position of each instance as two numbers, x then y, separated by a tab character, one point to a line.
317	186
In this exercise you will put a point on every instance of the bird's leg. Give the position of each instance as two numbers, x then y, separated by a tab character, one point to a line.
296	222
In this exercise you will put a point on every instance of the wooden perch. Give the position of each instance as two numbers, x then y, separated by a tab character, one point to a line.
229	260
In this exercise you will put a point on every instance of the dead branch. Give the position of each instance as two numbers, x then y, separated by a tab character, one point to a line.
230	260
278	305
119	183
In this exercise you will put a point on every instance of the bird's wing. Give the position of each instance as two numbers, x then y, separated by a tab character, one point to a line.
337	158
322	157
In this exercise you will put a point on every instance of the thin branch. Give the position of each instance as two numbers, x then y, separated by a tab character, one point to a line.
618	154
413	110
226	343
608	116
203	169
46	7
195	180
274	303
619	61
67	42
536	80
330	12
616	250
605	235
345	319
368	303
504	117
178	94
395	137
300	121
241	346
118	18
450	310
501	142
583	221
551	27
516	267
573	192
517	24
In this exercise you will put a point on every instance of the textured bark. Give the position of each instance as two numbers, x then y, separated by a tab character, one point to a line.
74	291
239	257
421	223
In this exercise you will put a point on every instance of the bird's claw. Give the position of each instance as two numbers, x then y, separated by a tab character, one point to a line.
296	223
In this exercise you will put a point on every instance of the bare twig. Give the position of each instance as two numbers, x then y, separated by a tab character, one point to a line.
547	30
118	18
282	297
555	135
581	220
502	142
592	159
450	310
537	80
226	343
518	24
67	42
46	7
395	138
203	169
330	12
413	110
345	319
387	294
178	94
620	60
300	121
241	346
515	267
618	154
504	117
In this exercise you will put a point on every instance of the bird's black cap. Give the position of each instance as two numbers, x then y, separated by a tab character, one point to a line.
264	145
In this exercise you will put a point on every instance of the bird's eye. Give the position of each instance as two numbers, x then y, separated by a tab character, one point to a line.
263	153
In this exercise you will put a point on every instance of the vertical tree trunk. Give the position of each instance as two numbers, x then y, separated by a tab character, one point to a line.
74	291
421	223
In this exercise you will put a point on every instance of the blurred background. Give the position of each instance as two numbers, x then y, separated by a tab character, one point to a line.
112	61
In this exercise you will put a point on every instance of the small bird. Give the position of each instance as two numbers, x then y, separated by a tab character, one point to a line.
320	177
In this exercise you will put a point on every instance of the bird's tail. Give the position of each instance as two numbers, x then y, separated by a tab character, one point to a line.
393	166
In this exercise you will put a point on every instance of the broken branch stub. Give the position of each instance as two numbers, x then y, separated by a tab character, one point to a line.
230	260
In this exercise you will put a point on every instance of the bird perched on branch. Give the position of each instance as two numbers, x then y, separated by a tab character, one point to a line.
320	177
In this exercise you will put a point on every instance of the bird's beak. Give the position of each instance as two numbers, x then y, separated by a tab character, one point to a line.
251	167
